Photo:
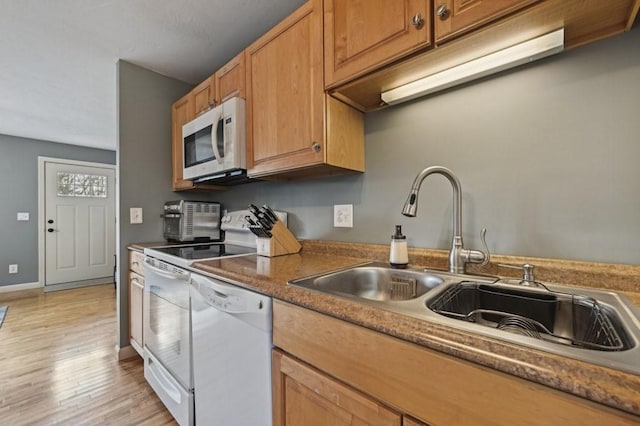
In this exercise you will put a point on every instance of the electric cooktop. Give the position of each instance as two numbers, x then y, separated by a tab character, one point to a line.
186	254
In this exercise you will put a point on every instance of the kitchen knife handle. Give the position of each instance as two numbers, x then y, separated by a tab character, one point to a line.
254	210
270	213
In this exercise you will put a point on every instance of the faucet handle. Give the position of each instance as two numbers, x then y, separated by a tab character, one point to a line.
477	256
483	238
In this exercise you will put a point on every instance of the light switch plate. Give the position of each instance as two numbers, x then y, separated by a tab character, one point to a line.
135	215
23	216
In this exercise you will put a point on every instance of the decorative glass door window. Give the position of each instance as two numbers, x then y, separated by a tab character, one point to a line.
81	185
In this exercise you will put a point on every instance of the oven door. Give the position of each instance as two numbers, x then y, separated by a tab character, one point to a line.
167	320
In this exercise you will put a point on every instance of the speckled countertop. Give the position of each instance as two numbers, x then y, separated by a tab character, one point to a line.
611	387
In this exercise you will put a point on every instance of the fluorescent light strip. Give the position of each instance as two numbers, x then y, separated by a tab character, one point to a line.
501	60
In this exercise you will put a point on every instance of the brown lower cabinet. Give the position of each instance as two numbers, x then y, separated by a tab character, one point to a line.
305	396
340	373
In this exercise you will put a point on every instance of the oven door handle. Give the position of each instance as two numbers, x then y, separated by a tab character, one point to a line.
166	274
165	382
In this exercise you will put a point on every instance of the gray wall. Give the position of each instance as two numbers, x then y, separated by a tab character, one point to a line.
548	157
144	162
19	193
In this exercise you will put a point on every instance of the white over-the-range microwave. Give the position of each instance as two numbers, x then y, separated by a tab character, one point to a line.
213	144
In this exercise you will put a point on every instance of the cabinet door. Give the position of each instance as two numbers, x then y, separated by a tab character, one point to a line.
230	79
182	111
304	396
136	292
285	94
454	17
204	95
362	35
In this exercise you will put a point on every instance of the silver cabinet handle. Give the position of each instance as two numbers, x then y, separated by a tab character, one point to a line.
315	146
417	20
442	11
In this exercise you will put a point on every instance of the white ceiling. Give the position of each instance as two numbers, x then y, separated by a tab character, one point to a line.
58	58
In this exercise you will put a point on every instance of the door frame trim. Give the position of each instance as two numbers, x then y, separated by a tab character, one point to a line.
41	202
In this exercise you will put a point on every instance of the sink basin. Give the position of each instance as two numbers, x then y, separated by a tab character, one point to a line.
599	327
373	282
562	318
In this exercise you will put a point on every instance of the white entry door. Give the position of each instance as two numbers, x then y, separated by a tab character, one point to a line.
79	222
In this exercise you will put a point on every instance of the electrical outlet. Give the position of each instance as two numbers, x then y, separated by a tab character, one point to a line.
13	268
135	215
343	216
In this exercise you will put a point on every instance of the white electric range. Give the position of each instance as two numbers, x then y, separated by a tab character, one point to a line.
167	316
166	311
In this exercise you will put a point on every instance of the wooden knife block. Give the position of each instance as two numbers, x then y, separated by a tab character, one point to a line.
282	242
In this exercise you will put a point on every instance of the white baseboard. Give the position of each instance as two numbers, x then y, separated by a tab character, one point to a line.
19	287
125	352
78	284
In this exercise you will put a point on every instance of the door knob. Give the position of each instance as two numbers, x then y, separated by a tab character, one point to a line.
50	221
50	230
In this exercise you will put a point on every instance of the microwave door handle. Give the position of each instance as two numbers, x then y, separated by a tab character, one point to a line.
214	134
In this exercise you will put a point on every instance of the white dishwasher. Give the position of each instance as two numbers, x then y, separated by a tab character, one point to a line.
232	340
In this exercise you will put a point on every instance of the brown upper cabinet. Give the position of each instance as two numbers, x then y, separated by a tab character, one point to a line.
361	36
454	17
230	79
204	95
355	50
293	128
470	29
227	82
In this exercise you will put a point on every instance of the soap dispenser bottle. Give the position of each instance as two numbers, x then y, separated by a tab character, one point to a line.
398	256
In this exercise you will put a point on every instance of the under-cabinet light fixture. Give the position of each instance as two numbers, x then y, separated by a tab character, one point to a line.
492	63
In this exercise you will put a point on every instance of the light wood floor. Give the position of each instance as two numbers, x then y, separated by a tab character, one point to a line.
58	366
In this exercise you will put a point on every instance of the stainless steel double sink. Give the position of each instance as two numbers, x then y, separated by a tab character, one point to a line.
599	327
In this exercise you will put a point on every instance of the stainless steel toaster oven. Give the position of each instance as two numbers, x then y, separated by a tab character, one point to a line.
192	221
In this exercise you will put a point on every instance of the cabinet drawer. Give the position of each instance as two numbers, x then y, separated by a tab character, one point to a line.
136	279
136	260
